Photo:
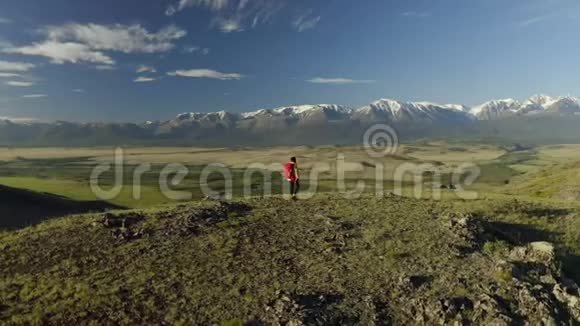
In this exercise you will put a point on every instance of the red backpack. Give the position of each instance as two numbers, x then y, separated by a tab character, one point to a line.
289	171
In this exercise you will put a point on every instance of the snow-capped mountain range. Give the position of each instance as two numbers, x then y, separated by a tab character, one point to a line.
399	111
321	123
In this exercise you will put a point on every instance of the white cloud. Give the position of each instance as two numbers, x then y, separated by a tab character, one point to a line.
206	73
76	43
15	66
9	75
418	14
306	21
19	83
121	38
145	69
5	20
321	80
142	79
60	53
34	96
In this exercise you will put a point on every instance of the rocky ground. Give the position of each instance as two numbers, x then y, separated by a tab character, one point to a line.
270	261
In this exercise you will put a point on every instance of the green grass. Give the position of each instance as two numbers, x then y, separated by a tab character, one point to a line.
498	248
180	270
81	191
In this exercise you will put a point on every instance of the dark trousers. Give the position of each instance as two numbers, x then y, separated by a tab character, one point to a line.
294	187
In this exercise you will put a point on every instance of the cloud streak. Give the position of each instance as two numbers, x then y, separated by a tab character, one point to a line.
306	21
213	5
233	15
205	73
105	68
15	66
535	20
338	81
142	79
416	14
19	83
228	25
145	69
34	96
9	75
196	49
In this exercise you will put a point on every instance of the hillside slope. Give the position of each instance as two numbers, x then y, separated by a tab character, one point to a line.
19	208
561	182
270	261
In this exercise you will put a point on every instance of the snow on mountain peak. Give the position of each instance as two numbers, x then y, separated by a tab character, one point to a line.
299	110
457	107
540	99
497	107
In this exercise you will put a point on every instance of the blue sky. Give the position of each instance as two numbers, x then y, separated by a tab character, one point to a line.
135	60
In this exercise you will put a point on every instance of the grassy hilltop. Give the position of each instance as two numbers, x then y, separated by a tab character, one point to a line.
323	261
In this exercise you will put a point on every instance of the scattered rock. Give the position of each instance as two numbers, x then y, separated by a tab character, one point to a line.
308	309
543	250
449	311
488	310
534	252
124	220
471	229
123	226
414	282
537	305
569	294
192	221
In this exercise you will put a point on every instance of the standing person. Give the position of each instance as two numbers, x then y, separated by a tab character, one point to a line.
291	174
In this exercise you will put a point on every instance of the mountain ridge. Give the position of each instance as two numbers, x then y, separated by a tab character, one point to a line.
315	124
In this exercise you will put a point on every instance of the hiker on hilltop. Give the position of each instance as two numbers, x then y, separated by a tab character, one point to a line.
291	174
